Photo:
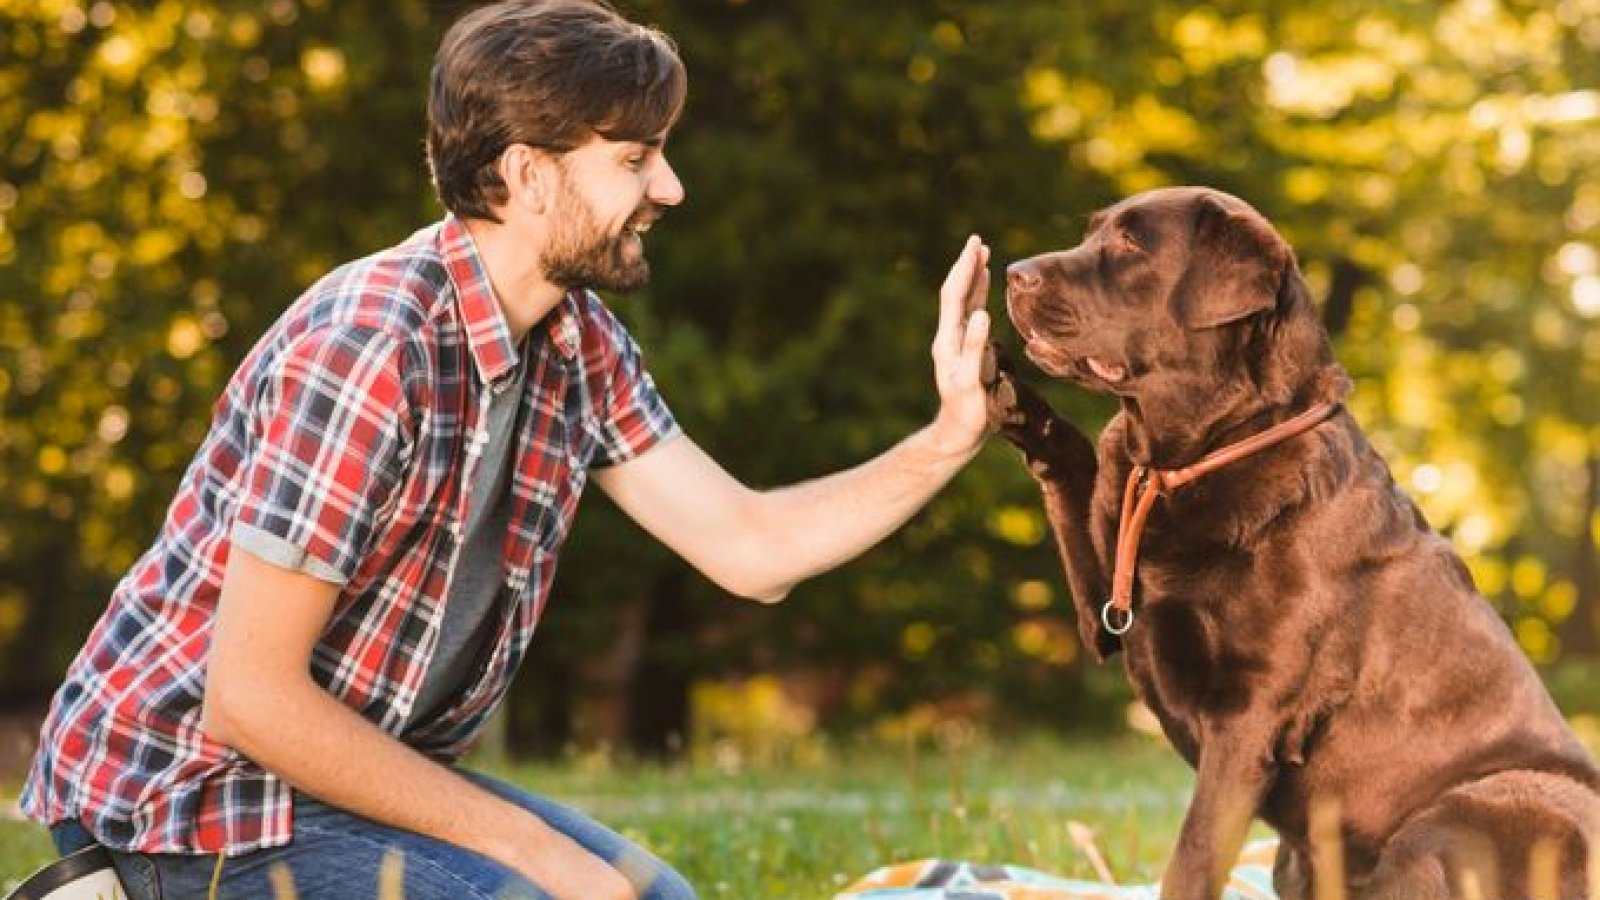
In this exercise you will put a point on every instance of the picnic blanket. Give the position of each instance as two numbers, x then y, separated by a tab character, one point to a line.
934	879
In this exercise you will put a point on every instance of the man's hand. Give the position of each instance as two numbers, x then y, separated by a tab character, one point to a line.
566	871
958	352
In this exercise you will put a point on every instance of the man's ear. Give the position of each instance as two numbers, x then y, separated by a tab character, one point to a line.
1236	266
528	175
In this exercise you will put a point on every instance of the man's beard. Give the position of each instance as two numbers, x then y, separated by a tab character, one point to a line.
583	255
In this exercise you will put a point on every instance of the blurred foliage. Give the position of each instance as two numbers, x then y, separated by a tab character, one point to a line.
174	173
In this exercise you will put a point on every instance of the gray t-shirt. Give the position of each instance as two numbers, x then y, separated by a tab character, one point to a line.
475	583
479	575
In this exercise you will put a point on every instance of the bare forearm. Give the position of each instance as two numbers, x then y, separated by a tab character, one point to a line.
305	736
809	528
260	699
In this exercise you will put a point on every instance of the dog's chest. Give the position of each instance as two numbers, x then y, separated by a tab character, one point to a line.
1190	654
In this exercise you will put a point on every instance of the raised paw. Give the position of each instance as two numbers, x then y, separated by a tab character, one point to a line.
1001	390
1025	419
1015	410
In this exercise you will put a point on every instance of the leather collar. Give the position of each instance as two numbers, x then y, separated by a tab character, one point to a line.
1145	484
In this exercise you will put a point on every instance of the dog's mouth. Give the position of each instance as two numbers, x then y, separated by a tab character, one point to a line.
1062	364
1109	372
1047	353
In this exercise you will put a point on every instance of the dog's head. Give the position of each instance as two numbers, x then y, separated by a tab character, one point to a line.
1185	303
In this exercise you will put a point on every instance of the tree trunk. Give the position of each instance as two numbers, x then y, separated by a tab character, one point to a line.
542	711
658	688
1339	305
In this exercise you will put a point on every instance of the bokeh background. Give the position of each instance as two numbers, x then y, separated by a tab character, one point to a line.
173	174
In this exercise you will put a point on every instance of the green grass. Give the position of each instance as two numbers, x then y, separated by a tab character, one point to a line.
23	848
804	827
814	817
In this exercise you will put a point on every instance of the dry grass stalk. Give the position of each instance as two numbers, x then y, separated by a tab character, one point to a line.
282	882
1023	848
1327	851
216	877
391	876
1478	869
1083	838
1544	870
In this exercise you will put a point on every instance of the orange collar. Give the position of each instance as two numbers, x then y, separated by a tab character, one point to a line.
1145	484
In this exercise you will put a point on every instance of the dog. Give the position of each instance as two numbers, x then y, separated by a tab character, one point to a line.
1309	645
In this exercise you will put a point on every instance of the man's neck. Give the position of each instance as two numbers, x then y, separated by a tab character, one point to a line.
512	261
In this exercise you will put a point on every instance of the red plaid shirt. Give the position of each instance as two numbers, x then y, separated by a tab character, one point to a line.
351	433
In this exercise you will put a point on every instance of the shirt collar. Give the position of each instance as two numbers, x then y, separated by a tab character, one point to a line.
488	334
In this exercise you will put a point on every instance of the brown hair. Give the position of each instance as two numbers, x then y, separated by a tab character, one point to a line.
546	73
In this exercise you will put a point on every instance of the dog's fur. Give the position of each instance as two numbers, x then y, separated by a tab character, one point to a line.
1302	635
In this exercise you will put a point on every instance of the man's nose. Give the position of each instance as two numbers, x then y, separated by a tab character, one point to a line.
664	188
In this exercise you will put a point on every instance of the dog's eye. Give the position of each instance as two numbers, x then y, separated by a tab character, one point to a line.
1125	242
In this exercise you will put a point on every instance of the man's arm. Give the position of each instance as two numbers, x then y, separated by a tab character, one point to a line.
759	544
260	700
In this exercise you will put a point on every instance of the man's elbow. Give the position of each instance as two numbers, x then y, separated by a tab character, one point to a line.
232	710
752	586
769	595
217	718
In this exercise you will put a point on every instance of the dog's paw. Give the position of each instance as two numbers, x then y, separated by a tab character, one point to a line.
1050	444
1015	410
1000	385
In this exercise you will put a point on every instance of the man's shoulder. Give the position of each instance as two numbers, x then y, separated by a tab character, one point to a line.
395	302
600	332
401	290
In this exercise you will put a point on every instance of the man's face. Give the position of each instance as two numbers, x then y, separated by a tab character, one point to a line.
608	194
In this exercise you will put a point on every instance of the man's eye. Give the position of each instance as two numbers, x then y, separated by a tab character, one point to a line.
1126	242
634	163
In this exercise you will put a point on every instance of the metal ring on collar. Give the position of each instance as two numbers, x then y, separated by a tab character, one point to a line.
1105	619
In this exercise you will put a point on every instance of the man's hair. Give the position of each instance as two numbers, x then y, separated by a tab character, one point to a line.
546	73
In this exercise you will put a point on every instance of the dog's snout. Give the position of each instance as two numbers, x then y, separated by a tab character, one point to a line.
1022	278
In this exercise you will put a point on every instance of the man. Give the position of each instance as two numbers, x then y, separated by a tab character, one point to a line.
354	564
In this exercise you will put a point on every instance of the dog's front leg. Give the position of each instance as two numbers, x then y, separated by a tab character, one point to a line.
1063	462
1232	776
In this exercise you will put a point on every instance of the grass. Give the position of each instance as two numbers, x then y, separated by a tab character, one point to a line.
813	817
805	826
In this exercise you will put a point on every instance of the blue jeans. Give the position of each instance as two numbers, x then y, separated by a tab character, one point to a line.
335	855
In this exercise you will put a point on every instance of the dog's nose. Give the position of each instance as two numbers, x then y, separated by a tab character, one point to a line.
1022	279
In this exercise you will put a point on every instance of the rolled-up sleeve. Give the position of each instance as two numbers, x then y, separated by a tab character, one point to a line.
633	415
328	451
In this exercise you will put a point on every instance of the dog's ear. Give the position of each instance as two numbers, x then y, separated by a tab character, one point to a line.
1236	266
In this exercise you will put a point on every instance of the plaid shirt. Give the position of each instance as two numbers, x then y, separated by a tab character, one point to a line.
350	433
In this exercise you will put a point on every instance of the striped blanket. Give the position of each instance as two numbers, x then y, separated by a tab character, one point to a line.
933	879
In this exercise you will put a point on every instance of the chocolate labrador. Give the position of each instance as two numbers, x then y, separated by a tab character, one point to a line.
1308	643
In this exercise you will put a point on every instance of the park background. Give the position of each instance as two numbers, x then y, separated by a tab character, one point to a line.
173	174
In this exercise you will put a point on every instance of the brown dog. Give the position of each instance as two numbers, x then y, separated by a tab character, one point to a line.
1308	644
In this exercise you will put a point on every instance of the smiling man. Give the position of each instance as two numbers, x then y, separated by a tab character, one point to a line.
357	557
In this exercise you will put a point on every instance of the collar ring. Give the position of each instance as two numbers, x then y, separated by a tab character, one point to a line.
1116	629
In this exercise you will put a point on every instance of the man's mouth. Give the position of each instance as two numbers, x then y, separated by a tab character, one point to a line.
642	221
